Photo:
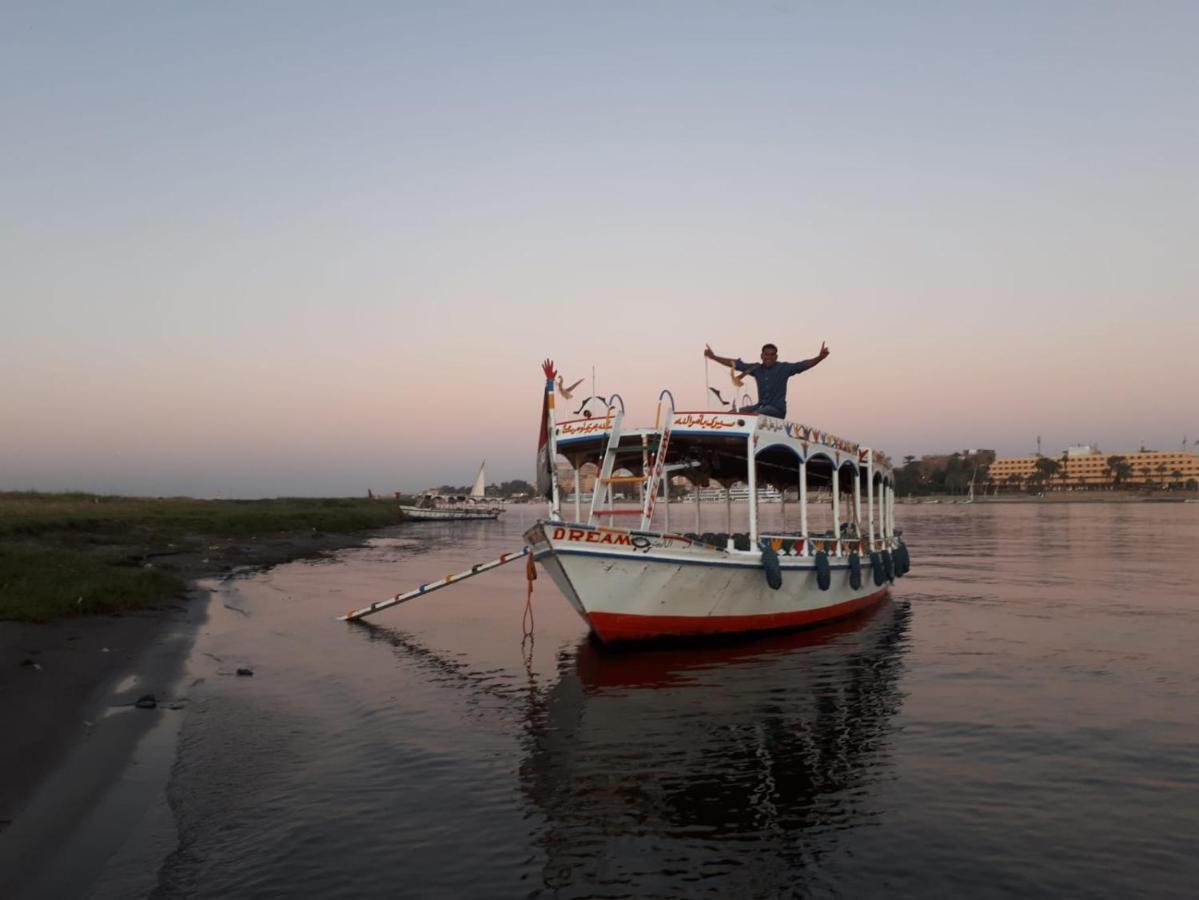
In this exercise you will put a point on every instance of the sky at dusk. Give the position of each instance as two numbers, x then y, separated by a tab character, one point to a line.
264	248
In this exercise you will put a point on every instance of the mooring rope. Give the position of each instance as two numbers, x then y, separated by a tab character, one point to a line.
526	620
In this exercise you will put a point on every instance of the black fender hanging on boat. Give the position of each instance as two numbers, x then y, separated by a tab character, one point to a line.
903	562
823	577
888	566
876	566
770	563
855	570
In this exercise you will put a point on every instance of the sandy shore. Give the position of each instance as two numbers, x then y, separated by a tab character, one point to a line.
67	695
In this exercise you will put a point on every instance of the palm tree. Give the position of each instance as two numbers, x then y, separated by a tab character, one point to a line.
1160	468
1120	468
1046	469
1177	476
1064	471
1015	479
983	473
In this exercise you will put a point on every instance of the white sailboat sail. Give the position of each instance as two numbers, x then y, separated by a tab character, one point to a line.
479	491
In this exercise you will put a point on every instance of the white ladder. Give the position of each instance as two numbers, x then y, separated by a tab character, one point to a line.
658	472
604	479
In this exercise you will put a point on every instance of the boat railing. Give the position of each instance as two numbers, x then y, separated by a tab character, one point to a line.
798	544
862	507
789	544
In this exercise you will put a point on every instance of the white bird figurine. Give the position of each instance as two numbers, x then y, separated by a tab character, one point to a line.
566	391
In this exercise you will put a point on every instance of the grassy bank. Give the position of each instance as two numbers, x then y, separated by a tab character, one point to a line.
68	554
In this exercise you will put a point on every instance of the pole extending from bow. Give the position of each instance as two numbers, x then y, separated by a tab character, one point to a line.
432	586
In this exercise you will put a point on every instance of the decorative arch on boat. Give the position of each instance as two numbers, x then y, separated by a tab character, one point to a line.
820	468
778	465
849	471
820	465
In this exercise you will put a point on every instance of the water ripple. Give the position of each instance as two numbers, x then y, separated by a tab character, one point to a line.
1018	723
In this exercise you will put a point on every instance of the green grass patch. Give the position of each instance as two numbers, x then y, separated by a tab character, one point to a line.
39	584
58	548
33	515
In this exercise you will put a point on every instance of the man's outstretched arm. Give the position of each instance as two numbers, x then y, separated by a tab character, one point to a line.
723	360
818	357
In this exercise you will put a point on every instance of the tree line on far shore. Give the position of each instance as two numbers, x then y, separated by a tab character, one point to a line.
956	472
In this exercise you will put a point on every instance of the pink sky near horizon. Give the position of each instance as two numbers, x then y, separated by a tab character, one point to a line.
272	260
401	424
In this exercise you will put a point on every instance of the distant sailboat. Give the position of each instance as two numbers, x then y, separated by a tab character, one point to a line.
431	506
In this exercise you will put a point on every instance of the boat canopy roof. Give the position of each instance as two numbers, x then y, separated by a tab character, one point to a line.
715	447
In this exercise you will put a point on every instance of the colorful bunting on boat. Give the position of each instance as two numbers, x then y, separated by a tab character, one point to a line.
808	433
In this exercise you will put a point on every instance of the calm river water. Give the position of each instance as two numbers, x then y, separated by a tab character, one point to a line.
1021	720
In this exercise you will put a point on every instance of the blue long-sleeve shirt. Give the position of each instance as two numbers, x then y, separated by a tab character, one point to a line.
772	381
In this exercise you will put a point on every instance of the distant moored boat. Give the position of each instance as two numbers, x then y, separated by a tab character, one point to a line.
432	506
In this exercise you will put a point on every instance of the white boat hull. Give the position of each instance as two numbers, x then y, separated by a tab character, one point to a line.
445	515
637	585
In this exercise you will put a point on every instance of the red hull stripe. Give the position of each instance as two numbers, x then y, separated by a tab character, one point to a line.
626	627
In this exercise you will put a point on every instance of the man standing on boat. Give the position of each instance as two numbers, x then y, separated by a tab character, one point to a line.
771	377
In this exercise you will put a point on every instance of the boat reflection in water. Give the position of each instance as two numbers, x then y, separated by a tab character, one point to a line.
723	770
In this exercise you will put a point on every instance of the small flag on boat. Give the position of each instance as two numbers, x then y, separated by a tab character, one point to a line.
545	465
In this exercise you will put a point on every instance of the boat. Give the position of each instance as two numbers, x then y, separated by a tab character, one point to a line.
433	506
651	581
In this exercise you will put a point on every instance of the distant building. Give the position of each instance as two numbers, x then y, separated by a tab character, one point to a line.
1087	466
566	478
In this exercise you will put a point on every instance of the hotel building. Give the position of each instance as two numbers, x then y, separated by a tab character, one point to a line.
1086	466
